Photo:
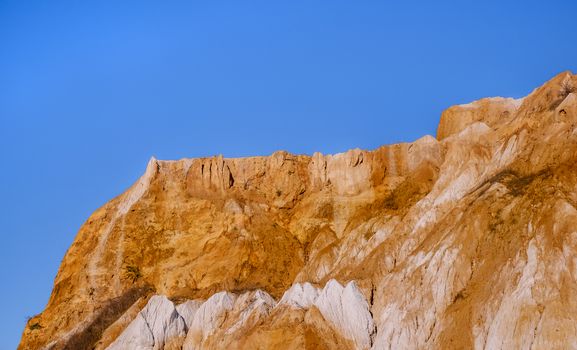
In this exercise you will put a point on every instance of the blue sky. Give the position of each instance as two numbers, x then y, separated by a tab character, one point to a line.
90	90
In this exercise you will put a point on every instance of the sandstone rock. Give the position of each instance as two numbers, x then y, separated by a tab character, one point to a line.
464	241
490	111
224	318
208	318
136	336
156	325
187	311
301	295
347	309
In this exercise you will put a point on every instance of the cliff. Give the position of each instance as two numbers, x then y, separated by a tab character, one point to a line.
467	240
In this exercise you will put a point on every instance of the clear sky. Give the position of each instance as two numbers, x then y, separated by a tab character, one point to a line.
89	90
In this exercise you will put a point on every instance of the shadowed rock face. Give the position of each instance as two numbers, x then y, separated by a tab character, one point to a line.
464	241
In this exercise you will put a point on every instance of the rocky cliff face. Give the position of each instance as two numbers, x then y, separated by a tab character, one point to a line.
465	241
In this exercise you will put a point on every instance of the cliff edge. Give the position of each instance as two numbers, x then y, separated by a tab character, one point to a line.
467	240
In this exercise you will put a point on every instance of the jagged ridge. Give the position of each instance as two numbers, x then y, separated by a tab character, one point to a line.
464	241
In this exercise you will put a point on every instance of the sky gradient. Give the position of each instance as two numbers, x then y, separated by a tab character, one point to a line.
90	90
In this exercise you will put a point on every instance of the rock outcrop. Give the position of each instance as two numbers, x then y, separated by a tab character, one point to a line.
465	241
225	318
157	326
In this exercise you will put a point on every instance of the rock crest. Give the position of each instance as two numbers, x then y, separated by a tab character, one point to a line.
459	242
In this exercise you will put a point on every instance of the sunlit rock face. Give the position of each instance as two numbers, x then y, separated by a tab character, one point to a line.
155	327
464	241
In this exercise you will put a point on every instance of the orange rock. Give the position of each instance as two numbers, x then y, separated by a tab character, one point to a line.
464	241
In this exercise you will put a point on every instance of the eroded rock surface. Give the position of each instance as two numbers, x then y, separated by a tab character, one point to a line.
157	326
463	241
224	318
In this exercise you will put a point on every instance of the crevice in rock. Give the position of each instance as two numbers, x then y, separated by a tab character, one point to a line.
430	333
541	310
230	178
372	298
373	333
